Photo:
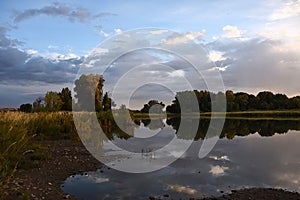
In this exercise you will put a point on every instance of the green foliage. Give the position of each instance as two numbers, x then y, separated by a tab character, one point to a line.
53	126
39	104
66	97
236	101
154	106
26	107
235	127
107	102
53	101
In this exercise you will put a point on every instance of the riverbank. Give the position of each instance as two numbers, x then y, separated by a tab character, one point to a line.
69	157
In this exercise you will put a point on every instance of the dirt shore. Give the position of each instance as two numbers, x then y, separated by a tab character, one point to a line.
68	157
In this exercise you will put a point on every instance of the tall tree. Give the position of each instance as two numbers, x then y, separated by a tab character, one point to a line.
230	97
107	102
88	90
66	98
53	101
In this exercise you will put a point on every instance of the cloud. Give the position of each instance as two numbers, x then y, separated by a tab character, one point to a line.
231	32
287	10
176	73
4	41
182	189
158	32
178	38
218	170
118	31
215	56
19	66
31	51
78	14
260	64
53	47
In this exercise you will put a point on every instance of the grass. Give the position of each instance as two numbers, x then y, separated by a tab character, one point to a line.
18	135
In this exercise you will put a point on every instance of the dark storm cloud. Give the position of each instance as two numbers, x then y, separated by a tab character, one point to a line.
79	14
17	65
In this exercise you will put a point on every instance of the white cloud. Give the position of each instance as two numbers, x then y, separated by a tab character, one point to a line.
218	170
216	56
182	189
31	51
158	32
100	50
287	10
104	34
57	56
118	31
231	32
53	47
176	73
219	158
183	38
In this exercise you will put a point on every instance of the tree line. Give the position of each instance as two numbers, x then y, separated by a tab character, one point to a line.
239	101
88	88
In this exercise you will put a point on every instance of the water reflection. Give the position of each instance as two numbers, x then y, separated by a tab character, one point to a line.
240	127
235	162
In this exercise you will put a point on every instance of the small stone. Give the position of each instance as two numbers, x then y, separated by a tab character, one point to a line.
49	183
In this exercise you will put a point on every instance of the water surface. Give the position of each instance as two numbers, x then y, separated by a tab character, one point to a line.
249	153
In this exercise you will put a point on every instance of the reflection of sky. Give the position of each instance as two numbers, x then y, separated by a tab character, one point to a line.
250	161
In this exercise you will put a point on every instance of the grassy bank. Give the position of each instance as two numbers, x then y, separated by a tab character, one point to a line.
19	133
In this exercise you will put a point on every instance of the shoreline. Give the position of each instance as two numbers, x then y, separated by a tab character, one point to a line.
68	157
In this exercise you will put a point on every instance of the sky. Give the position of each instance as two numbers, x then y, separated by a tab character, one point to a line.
254	45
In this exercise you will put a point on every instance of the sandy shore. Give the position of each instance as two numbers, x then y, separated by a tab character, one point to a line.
68	157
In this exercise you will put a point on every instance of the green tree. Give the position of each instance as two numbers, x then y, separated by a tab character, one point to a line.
241	100
266	100
26	107
39	104
66	97
88	90
53	101
157	109
230	97
107	102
